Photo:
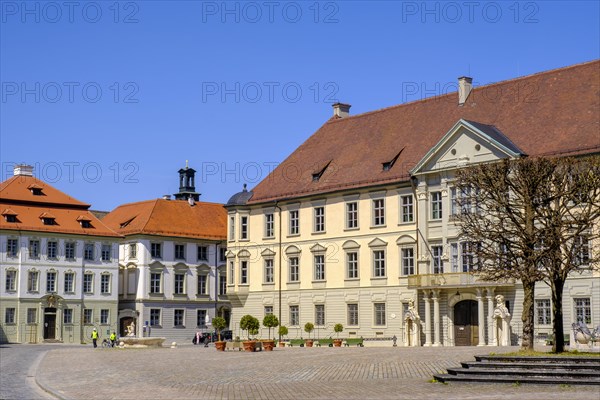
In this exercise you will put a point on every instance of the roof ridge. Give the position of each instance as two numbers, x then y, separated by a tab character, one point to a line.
438	97
149	215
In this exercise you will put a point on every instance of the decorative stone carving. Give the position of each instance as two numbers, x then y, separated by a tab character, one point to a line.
501	322
131	329
581	334
412	326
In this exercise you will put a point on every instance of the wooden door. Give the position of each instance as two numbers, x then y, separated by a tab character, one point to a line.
466	330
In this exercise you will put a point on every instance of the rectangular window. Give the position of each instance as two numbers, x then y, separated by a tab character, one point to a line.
32	281
379	314
583	310
542	309
201	318
294	222
9	315
407	208
155	317
467	256
222	254
88	283
105	252
34	248
11	281
105	283
231	228
52	249
269	225
453	202
352	215
581	249
104	316
436	205
294	269
51	282
378	212
155	282
68	316
87	315
243	272
353	314
268	310
319	213
202	253
454	256
32	315
69	282
179	284
180	252
222	285
70	251
408	261
88	252
320	314
243	227
178	318
11	247
438	263
132	250
231	272
294	316
319	267
269	271
156	250
379	263
352	265
202	284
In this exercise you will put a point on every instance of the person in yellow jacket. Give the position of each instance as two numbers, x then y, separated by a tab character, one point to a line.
113	339
95	337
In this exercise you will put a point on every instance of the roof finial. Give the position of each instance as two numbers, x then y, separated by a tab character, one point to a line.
186	164
245	187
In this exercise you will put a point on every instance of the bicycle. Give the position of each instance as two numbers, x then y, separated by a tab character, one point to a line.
106	343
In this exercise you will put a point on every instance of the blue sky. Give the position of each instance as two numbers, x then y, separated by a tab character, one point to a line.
109	99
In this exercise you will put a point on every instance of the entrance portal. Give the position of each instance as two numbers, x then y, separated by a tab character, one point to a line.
50	323
466	332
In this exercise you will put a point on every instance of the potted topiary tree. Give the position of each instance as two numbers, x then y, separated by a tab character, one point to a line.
269	321
337	328
283	331
308	328
219	323
249	324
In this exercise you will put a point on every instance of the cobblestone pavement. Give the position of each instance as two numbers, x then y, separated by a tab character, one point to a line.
191	372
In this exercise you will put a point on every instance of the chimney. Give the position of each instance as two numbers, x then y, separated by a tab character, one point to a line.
23	170
341	110
191	201
166	197
465	85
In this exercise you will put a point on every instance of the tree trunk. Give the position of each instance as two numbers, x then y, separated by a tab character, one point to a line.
557	316
528	315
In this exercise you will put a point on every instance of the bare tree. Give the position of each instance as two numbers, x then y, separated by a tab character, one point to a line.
532	220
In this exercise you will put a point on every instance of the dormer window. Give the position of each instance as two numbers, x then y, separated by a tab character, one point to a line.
389	164
49	221
84	221
36	190
316	176
124	224
10	216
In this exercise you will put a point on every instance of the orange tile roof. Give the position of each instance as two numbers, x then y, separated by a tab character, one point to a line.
175	218
550	113
17	199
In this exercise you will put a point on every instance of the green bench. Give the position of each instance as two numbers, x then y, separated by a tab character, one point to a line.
325	342
296	342
550	340
354	342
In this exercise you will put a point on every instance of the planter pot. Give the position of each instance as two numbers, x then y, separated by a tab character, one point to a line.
281	344
268	345
249	345
309	343
220	346
337	342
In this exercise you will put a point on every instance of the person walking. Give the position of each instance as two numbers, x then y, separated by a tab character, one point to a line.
95	337
113	339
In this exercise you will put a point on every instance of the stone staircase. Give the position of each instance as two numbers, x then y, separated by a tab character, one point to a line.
540	370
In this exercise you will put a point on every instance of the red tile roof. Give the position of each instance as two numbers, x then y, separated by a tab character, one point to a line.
553	112
16	198
175	218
